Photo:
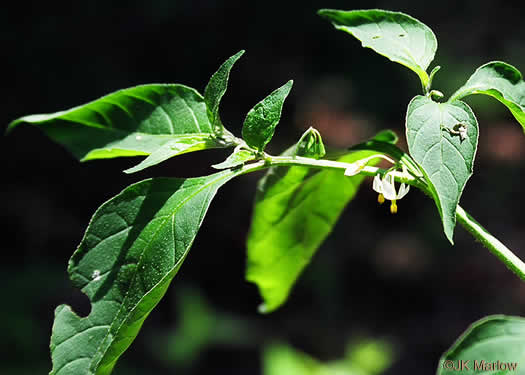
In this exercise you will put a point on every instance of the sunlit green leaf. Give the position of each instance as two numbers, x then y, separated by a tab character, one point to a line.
370	356
236	159
397	36
135	121
295	209
501	81
216	88
280	359
262	119
493	345
132	249
367	357
442	138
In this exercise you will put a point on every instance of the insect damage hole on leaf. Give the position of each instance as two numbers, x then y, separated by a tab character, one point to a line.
446	160
460	129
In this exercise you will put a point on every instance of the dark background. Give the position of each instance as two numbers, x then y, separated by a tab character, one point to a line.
377	275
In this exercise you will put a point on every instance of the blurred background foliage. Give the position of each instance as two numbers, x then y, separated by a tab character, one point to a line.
378	276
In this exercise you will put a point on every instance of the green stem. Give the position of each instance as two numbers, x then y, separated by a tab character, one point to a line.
503	253
458	95
338	165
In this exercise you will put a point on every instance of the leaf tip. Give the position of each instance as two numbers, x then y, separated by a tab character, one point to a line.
448	228
12	125
132	170
324	12
286	88
233	59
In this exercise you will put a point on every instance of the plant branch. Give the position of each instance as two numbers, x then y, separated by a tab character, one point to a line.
503	253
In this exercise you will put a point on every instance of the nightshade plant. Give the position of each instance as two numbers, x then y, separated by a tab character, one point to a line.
137	241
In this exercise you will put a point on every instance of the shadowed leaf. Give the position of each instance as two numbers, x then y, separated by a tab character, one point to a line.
492	345
501	81
132	249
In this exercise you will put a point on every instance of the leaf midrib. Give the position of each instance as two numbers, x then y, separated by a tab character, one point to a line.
146	248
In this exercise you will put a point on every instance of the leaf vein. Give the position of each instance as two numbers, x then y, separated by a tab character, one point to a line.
80	333
170	121
458	151
192	114
69	363
139	263
141	98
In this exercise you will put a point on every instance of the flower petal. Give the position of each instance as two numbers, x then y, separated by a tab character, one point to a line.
377	185
389	190
403	190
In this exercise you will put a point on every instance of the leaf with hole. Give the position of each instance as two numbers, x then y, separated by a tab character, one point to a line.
260	122
139	120
132	249
295	210
501	81
442	138
493	345
397	36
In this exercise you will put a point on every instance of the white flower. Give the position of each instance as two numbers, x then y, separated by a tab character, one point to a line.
387	190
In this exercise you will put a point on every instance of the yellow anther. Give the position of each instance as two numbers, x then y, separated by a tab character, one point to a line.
380	199
393	207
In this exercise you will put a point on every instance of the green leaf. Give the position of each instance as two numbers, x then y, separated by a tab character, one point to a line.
493	345
132	249
445	156
134	121
178	146
501	81
262	119
236	159
397	36
216	88
279	359
368	357
385	136
181	346
295	209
